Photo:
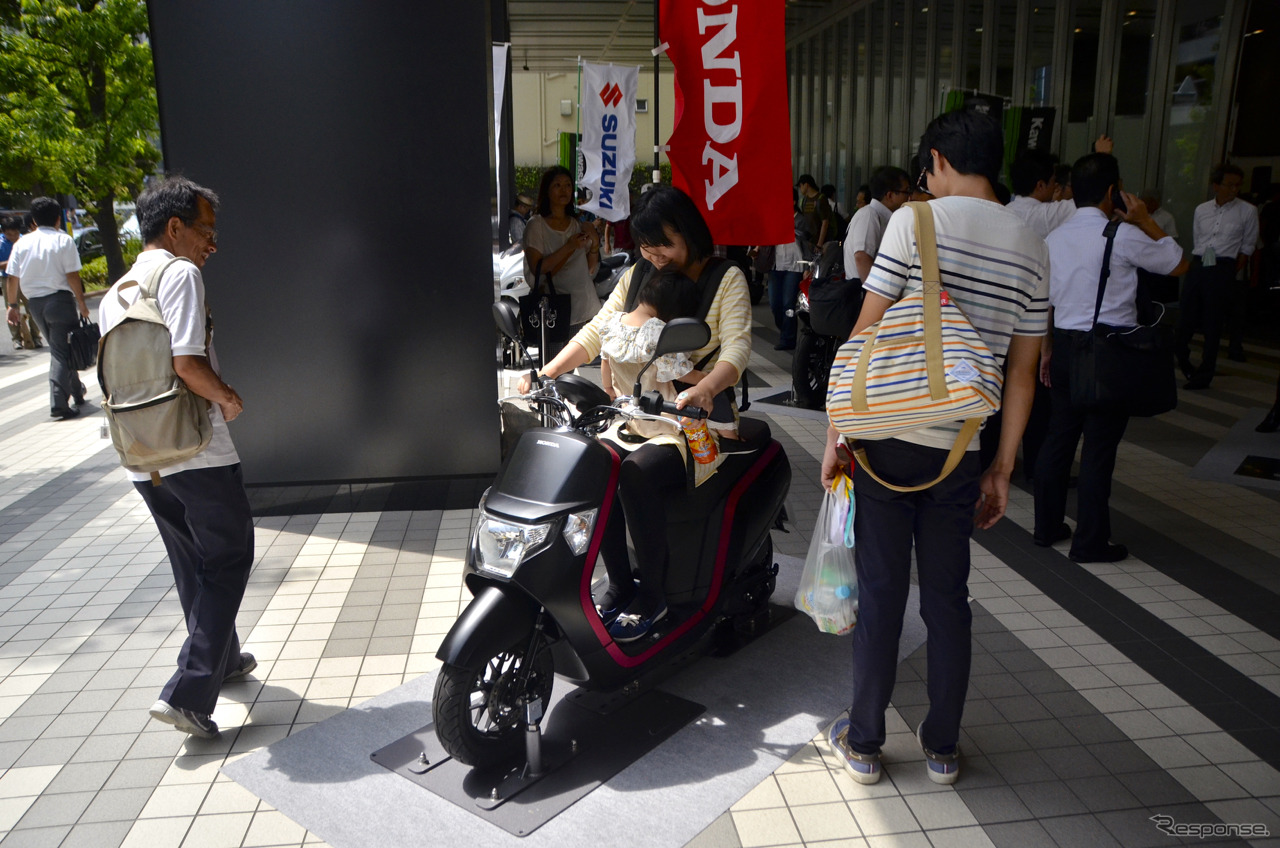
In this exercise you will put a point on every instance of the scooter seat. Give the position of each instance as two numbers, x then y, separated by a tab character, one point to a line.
755	435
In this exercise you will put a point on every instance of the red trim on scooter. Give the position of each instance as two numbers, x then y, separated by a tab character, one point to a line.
597	537
722	553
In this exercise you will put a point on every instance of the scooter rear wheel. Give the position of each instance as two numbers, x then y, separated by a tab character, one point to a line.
811	369
479	712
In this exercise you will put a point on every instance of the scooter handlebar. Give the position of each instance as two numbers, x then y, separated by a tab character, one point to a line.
654	404
687	412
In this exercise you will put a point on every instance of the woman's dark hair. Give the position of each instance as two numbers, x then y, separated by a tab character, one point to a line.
172	197
667	206
1091	176
671	294
544	189
46	211
972	142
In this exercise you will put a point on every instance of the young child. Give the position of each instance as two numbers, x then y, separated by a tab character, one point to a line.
628	340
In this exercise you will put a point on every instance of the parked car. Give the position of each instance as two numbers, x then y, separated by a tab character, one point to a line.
88	244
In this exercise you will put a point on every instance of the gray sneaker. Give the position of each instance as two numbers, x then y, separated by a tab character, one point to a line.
943	768
864	768
247	664
199	725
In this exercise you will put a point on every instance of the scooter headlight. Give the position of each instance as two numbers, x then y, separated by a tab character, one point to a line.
503	545
577	530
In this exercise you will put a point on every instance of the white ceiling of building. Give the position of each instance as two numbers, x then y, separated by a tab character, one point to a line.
550	36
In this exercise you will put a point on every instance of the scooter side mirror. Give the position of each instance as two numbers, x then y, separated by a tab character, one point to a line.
507	316
680	334
581	392
687	334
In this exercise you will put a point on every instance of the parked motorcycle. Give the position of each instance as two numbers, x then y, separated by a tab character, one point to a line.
533	554
609	271
825	312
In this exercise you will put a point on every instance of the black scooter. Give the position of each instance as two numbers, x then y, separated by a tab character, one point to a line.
825	311
534	550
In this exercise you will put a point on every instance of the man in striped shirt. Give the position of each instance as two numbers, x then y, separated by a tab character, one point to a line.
996	270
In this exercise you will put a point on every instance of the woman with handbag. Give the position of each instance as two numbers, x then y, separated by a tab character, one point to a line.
558	245
672	235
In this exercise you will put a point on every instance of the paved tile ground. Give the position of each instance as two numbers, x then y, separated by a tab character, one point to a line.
1101	695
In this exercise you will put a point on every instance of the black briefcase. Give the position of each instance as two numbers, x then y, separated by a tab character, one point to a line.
83	342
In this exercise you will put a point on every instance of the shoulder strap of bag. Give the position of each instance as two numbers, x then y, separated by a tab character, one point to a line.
931	287
709	291
1110	235
538	277
639	273
958	450
147	286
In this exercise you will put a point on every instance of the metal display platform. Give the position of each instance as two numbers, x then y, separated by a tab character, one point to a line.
585	741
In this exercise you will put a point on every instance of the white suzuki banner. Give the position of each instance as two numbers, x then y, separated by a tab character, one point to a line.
608	104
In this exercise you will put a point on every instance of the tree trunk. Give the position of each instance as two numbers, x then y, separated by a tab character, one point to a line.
110	233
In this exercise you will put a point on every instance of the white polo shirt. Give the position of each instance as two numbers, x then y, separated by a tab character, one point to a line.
1230	229
180	294
1042	217
42	260
1075	265
864	234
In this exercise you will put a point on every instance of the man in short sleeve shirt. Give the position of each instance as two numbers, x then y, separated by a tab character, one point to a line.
200	505
996	270
890	188
1224	233
1076	250
45	267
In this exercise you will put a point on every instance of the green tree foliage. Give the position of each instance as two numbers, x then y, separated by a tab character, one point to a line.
78	108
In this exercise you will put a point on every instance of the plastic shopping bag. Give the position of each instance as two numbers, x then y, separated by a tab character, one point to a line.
829	584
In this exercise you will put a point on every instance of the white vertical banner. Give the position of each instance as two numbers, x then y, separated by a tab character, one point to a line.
499	91
608	148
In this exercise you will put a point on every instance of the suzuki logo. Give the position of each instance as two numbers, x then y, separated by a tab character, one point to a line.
611	95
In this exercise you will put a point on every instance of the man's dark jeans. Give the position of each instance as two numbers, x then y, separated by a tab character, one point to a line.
939	521
56	315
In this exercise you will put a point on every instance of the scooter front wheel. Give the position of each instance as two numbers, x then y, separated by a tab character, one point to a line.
479	711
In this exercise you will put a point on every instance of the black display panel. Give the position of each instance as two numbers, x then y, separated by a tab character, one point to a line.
351	291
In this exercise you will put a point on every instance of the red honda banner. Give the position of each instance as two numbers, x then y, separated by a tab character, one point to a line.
731	147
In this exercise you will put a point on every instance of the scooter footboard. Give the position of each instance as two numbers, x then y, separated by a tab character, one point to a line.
496	618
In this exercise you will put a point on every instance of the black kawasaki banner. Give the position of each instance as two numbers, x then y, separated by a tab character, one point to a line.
1035	130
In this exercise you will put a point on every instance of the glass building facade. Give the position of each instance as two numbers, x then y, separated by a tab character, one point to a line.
1158	76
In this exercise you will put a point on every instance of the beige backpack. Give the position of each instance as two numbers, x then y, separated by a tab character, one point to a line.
154	419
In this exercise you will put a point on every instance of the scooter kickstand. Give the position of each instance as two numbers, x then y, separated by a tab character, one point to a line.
533	739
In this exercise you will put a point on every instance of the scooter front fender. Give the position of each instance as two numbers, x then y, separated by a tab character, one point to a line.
497	617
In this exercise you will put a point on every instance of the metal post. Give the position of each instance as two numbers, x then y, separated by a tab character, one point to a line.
533	739
657	96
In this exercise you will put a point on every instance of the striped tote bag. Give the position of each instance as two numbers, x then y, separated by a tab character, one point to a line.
922	364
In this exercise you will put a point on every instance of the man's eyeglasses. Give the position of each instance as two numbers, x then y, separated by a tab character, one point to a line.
922	182
209	233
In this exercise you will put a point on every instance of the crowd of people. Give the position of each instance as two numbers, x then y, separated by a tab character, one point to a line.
1023	265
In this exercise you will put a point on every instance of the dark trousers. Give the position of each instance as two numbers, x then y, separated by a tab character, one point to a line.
783	288
1206	299
939	521
204	519
1102	431
1237	309
647	478
1032	437
56	315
